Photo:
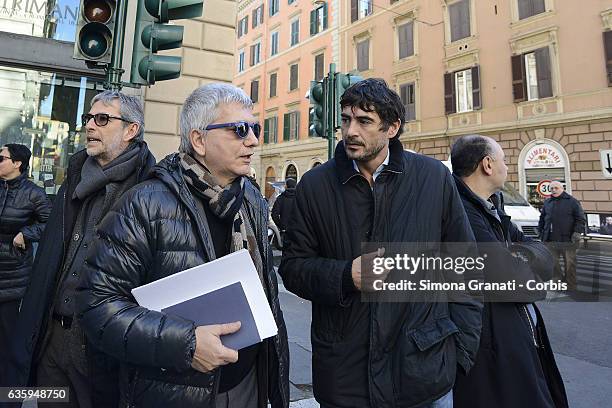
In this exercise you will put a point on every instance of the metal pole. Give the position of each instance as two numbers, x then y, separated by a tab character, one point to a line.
114	71
331	111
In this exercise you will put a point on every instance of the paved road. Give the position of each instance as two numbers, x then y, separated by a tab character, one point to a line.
580	334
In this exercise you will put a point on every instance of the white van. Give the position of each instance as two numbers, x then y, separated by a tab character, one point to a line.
523	215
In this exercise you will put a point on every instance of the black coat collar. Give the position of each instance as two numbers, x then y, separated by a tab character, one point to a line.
345	166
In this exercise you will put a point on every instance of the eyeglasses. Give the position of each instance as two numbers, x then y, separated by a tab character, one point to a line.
241	128
3	158
100	119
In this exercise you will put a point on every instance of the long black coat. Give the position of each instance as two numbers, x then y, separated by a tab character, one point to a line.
560	218
156	230
510	371
414	348
282	210
29	336
25	208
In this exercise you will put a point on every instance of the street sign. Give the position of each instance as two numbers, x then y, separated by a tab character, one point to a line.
543	188
606	163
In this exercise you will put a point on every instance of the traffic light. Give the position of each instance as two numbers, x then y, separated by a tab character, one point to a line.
343	82
95	31
152	35
317	108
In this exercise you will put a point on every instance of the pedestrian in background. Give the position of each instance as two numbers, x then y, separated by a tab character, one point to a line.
364	354
24	210
49	348
282	210
561	226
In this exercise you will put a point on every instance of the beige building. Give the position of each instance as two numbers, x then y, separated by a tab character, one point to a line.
282	45
533	74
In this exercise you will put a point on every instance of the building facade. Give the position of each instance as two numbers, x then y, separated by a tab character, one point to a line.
282	45
533	74
43	91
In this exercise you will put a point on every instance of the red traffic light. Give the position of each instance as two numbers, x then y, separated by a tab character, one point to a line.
98	11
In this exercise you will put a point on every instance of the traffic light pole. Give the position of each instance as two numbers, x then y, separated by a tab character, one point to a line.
331	110
114	71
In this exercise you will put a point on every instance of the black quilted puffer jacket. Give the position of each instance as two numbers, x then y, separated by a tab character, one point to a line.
25	208
155	231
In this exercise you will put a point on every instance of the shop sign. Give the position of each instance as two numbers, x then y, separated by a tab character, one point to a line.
543	156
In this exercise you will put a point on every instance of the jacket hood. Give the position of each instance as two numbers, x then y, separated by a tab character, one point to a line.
289	192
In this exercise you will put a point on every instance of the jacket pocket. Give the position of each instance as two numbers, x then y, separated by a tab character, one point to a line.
424	364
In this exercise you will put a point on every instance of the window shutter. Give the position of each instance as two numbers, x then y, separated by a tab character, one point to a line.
240	29
252	56
286	127
254	18
272	85
542	56
246	24
411	103
297	125
525	8
313	22
539	6
266	137
450	106
293	77
405	40
319	67
519	78
261	14
476	95
354	10
608	48
363	50
325	16
459	14
465	19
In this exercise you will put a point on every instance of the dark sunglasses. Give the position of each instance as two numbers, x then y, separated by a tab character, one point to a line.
3	158
241	128
100	119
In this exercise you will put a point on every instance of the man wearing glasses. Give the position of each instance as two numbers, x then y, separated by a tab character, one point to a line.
49	347
198	206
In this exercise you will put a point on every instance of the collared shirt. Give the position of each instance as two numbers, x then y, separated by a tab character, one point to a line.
490	207
379	169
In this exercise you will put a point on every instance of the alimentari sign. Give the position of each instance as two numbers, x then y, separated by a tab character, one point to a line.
543	156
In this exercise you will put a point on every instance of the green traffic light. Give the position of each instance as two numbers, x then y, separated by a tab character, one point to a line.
94	41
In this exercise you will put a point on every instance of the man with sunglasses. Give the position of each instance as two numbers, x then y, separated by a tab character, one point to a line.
49	347
198	206
24	210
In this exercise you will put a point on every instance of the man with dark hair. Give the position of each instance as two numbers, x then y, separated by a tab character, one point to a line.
561	225
364	354
282	210
24	210
515	365
49	347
